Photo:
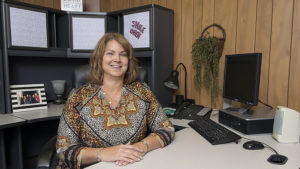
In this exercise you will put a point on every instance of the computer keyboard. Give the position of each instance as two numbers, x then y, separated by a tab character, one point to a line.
213	132
189	112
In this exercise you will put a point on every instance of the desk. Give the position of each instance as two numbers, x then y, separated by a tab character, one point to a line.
13	122
8	121
52	112
191	151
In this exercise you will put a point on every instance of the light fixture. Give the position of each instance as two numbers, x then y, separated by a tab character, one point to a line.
172	82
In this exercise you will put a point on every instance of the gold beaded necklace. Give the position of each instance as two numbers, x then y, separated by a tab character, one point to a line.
112	101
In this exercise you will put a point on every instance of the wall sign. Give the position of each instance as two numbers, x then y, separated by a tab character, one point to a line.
137	29
71	5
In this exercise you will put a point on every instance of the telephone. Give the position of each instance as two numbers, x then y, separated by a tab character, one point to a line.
190	111
181	107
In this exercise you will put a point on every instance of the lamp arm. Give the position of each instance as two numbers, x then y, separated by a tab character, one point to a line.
185	73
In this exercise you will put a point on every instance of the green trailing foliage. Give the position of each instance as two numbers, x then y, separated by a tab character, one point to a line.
205	55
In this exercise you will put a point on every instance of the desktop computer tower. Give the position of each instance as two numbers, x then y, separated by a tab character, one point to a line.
256	121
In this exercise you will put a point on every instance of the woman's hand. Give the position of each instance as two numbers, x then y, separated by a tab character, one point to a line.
123	153
137	145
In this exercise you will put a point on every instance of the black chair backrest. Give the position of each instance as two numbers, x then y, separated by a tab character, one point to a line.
142	75
81	73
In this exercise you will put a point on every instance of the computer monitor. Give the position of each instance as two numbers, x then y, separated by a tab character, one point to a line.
241	77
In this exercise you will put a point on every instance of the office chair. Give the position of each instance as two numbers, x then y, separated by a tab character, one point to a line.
80	75
47	158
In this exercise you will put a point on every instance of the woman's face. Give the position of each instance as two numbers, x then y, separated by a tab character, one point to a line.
115	60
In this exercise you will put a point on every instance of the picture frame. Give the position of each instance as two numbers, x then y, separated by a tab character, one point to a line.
28	97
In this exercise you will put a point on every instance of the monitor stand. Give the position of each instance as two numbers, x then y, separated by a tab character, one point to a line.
240	110
229	105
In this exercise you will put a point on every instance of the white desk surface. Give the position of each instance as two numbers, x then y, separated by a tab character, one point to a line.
191	151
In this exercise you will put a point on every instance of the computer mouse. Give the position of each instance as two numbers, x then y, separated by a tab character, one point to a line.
253	145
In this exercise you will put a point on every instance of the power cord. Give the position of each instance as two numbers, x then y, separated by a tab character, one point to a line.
265	104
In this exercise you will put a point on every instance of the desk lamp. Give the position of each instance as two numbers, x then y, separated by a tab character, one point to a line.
172	82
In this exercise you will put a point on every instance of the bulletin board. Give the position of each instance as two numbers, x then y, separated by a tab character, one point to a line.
137	29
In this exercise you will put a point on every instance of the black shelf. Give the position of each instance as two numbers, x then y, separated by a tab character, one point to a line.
52	52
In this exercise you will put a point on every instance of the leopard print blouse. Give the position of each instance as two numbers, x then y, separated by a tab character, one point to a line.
88	120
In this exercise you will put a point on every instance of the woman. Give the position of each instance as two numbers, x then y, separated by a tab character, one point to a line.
113	117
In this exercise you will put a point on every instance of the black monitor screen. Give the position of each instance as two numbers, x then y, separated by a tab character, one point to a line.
241	77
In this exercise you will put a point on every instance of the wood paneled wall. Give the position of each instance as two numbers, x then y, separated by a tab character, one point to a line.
271	27
46	3
267	26
88	5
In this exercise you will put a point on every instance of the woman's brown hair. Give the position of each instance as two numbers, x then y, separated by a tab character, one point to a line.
96	70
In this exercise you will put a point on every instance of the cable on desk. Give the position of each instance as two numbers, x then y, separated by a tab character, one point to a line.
274	158
265	104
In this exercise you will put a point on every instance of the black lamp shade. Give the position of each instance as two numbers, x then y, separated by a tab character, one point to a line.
172	80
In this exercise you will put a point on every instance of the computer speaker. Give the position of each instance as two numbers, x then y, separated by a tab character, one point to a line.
286	127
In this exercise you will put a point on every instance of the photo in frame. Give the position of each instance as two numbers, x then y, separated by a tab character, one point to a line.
28	97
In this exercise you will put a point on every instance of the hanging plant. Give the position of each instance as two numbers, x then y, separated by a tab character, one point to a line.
206	53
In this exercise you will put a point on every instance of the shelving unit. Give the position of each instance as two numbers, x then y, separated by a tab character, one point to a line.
30	65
